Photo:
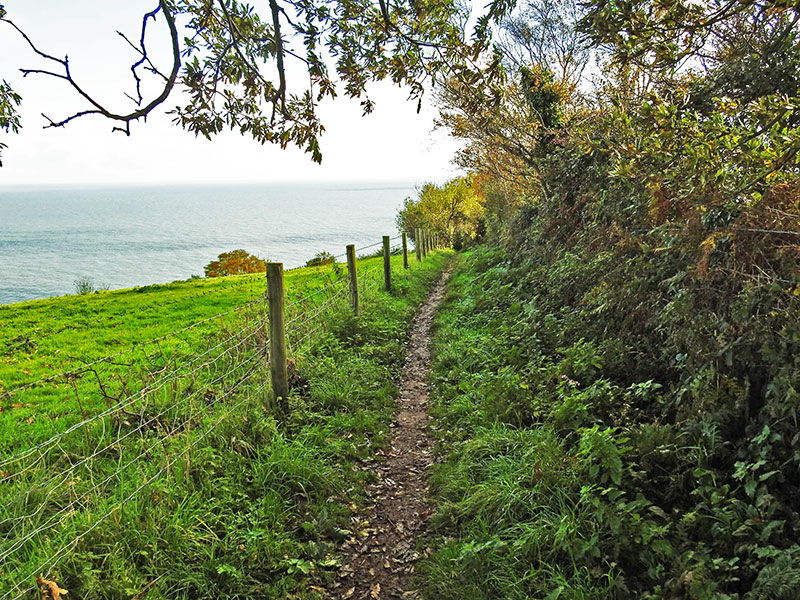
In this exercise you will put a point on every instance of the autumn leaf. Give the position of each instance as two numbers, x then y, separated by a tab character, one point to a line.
49	589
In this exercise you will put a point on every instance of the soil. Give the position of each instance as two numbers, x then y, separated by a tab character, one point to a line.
381	556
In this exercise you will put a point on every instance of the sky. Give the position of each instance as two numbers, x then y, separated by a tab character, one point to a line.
394	143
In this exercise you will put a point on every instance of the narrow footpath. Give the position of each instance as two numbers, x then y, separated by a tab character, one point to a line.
380	559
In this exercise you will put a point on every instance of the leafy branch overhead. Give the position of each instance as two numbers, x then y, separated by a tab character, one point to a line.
9	118
263	71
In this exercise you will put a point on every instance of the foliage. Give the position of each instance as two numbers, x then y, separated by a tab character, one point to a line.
263	70
235	262
321	258
658	419
541	95
453	210
641	308
9	103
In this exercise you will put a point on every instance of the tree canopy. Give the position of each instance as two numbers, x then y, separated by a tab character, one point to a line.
235	262
240	64
451	210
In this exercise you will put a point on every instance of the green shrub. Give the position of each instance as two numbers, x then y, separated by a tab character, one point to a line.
610	429
321	258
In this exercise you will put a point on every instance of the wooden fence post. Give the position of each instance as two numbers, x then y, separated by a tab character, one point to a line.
277	336
387	264
405	250
418	244
353	273
423	241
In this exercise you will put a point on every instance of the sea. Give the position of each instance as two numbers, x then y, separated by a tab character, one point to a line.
120	237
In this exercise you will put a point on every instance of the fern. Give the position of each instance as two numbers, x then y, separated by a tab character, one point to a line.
779	580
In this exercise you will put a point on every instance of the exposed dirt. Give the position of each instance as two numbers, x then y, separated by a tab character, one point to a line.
382	554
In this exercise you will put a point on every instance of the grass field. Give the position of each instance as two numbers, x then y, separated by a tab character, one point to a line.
201	490
41	338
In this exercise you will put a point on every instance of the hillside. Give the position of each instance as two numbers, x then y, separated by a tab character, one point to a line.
170	471
608	428
145	326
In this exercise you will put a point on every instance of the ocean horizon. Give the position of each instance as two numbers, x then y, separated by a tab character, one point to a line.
132	235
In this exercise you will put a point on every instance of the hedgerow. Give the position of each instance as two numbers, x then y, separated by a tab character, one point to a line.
614	423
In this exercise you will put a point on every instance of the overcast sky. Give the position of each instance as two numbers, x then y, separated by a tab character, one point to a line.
392	144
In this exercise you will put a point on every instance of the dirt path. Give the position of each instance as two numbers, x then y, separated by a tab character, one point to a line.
381	557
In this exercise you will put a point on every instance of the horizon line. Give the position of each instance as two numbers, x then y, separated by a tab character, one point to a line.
415	181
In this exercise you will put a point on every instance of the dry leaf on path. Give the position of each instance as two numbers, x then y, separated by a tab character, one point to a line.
375	592
49	589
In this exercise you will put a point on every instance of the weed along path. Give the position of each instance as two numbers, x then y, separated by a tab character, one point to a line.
381	555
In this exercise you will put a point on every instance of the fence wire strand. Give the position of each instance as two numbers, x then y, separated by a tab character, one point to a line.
124	402
52	561
59	517
83	368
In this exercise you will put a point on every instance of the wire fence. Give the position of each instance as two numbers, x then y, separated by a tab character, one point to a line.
119	422
157	303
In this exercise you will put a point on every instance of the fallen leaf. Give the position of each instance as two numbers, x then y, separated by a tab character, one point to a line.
49	589
375	592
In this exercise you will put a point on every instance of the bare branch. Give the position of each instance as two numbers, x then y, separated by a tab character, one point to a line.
99	109
145	59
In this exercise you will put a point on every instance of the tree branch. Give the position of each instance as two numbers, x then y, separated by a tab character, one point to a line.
144	56
280	93
99	108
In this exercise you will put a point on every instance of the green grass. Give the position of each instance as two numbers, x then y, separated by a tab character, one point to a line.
218	496
41	338
573	465
515	516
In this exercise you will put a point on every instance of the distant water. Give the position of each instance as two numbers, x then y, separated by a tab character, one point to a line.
127	236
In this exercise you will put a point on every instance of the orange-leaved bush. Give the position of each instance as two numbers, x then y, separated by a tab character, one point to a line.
235	262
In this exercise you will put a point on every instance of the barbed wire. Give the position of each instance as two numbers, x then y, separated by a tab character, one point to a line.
344	254
143	425
59	517
242	285
165	379
319	309
308	334
151	307
126	401
315	293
